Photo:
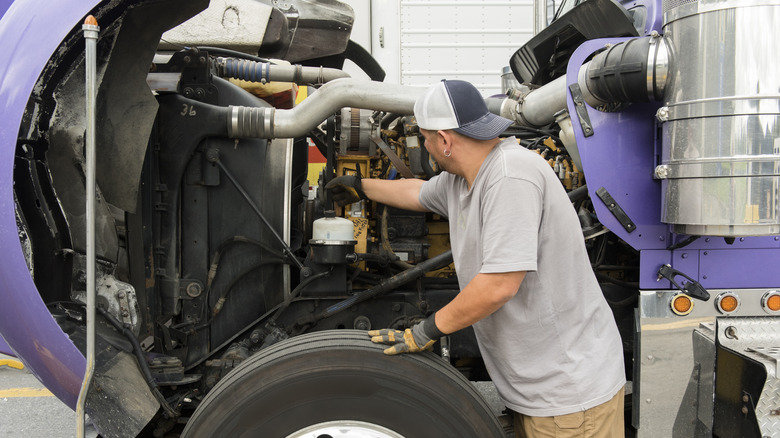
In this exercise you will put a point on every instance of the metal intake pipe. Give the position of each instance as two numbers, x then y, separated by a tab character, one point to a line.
249	122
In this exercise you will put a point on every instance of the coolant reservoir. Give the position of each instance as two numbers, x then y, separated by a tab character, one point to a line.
331	228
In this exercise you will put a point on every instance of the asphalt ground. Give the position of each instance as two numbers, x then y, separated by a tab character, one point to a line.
29	410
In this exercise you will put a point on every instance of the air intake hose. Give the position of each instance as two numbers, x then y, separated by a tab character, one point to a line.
632	71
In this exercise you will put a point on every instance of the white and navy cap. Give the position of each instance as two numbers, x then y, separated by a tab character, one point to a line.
459	106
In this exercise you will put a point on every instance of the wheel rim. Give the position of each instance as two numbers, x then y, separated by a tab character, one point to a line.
345	429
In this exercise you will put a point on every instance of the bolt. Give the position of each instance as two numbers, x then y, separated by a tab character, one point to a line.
662	171
663	114
661	238
202	59
647	400
194	289
200	93
256	336
685	255
212	155
396	307
745	398
187	59
188	92
121	295
744	410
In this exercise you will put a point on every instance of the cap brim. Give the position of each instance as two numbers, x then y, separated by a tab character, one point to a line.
485	128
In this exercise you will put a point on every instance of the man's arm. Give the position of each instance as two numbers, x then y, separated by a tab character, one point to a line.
400	193
485	294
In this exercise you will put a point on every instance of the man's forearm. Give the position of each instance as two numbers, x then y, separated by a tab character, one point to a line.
485	294
401	193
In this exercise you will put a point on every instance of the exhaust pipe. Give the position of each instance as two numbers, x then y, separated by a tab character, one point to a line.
251	122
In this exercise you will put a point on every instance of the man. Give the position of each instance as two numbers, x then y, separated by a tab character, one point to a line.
545	331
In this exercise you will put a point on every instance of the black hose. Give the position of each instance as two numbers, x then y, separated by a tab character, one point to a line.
619	74
683	243
391	283
295	292
139	355
224	245
224	294
388	119
579	193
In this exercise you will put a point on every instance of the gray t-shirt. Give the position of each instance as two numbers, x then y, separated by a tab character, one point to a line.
554	348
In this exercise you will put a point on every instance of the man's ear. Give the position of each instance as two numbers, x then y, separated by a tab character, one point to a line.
446	137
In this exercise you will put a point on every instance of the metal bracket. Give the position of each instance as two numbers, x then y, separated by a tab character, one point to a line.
616	209
582	111
403	169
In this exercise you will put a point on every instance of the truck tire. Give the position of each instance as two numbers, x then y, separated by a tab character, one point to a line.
336	384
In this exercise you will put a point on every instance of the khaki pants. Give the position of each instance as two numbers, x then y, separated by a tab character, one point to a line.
602	421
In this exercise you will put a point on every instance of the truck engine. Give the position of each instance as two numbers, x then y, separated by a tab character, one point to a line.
233	294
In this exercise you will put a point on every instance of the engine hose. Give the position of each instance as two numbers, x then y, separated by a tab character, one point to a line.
254	71
139	355
391	283
229	242
579	193
295	292
224	294
632	71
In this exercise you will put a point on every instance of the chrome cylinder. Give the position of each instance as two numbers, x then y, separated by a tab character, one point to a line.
720	161
91	30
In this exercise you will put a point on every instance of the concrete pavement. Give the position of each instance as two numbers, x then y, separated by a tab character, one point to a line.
29	410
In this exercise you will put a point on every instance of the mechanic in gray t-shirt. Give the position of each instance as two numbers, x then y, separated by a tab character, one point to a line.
545	331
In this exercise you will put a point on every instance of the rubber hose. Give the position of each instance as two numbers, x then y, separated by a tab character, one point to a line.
619	74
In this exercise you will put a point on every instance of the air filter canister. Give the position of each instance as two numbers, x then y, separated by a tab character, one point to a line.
720	161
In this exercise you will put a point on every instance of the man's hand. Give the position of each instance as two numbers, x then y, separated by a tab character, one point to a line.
346	189
420	337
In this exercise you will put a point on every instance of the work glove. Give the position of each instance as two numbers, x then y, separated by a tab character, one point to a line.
420	337
346	189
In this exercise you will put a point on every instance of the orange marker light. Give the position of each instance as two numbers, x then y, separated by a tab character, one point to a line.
771	301
727	302
681	304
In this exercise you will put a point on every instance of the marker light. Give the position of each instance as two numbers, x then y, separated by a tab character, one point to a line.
771	302
681	304
727	303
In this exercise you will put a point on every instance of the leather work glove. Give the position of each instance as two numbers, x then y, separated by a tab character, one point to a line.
346	189
420	337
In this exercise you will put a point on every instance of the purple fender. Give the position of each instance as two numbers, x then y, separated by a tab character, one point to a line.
5	348
31	31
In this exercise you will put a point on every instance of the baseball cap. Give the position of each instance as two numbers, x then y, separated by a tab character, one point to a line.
459	106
